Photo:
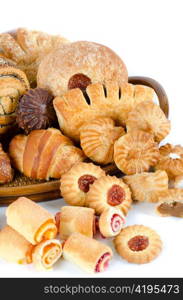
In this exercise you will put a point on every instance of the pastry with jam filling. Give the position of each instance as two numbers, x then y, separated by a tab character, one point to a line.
138	244
107	192
171	203
76	183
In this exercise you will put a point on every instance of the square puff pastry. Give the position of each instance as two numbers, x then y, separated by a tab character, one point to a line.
170	203
112	101
146	186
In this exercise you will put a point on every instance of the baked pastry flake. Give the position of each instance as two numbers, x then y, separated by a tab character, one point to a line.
44	154
97	139
89	254
113	100
138	244
6	171
107	192
147	186
77	181
170	203
171	160
111	222
135	152
149	117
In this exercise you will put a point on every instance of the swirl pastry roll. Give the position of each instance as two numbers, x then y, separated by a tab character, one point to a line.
135	152
171	203
6	172
97	139
89	254
76	219
14	247
13	84
107	192
44	154
77	181
111	221
46	254
31	220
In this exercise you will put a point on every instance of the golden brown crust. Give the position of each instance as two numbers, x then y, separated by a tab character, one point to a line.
46	254
26	49
31	220
97	139
147	186
44	154
109	191
112	101
14	247
171	160
170	203
135	152
76	219
77	181
6	172
149	117
84	251
138	253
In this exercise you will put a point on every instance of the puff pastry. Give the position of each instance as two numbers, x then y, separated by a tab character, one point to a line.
170	203
135	152
26	48
111	222
77	181
138	244
114	101
178	182
75	65
149	117
44	154
31	220
89	254
171	160
76	219
13	84
6	172
97	139
109	191
46	254
147	186
14	247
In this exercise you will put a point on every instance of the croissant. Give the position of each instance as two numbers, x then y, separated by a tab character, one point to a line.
26	49
6	172
13	84
44	154
112	101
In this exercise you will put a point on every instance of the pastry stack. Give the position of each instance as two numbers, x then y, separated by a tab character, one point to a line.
75	113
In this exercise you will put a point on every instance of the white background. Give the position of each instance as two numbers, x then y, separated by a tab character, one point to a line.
148	36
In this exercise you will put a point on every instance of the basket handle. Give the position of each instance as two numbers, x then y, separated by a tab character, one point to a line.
157	87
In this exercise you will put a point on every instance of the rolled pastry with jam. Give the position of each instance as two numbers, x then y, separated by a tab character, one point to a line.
76	219
31	220
111	222
89	254
46	254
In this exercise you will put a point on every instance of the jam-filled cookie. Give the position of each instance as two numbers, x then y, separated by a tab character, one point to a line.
135	152
171	160
149	117
171	203
146	186
76	183
138	244
109	191
97	139
111	221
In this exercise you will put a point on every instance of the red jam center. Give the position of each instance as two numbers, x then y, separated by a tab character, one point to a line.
80	81
100	262
115	195
138	243
85	181
116	222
